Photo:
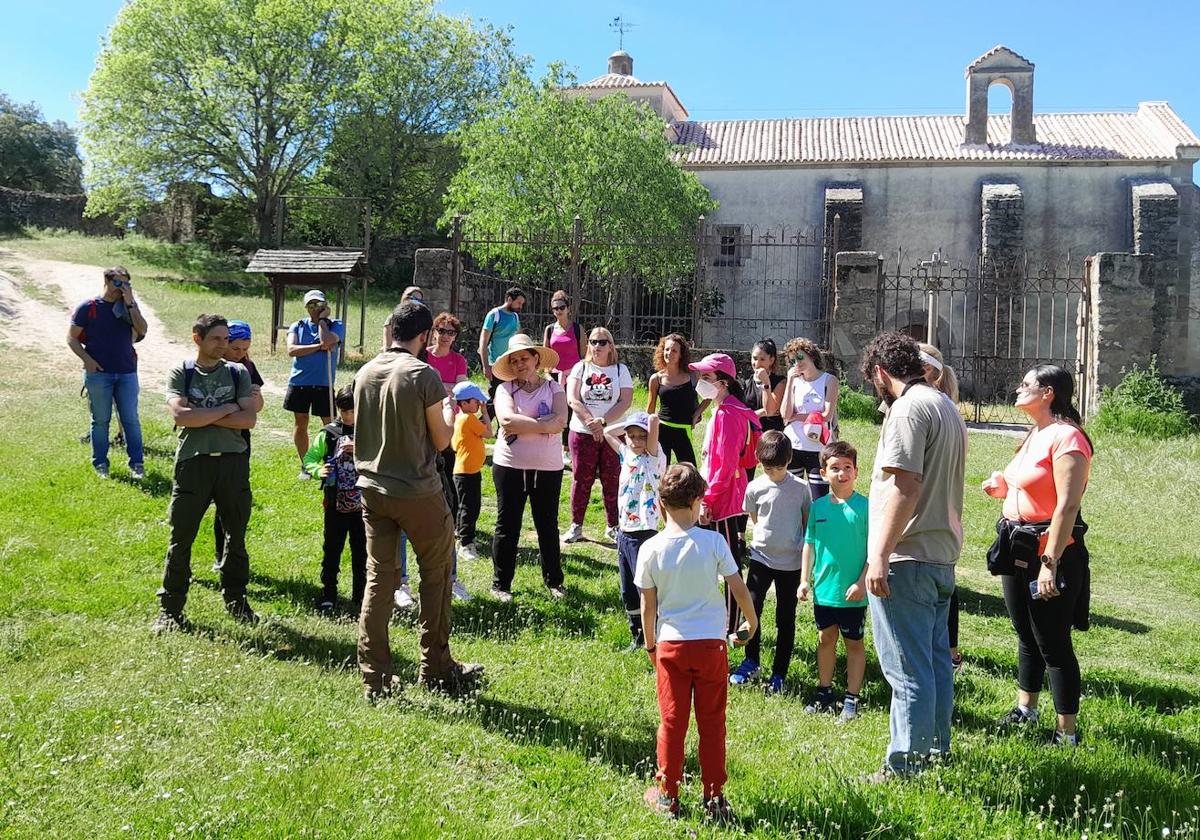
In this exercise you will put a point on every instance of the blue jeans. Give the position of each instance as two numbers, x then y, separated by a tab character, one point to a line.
913	645
103	389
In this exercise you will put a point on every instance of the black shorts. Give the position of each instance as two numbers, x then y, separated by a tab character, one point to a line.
308	399
852	621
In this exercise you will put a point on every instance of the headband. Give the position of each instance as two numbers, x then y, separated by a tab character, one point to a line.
931	361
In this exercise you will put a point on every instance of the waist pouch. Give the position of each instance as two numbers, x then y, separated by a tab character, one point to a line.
1018	546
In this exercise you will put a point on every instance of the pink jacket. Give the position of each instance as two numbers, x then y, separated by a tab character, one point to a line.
726	479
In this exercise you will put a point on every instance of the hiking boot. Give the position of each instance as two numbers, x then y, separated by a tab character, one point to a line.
326	604
775	686
137	473
101	472
660	803
169	622
1015	719
459	592
718	810
744	672
404	598
502	595
823	702
463	677
386	689
574	534
240	610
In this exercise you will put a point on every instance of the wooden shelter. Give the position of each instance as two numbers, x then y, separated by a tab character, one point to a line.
311	268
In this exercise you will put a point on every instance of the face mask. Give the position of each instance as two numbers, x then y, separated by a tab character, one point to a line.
707	390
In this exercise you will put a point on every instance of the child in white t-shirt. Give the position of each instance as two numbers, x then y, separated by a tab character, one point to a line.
635	440
683	616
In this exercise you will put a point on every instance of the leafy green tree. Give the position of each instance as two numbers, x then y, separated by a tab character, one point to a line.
36	154
545	157
243	94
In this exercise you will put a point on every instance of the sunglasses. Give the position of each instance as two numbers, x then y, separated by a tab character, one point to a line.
446	331
598	342
557	308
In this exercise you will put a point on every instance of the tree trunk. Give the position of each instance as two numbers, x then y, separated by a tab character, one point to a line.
264	219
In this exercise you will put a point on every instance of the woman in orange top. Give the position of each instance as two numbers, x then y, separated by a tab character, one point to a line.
1043	487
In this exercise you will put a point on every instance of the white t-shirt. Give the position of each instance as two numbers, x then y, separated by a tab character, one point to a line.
685	569
807	397
637	492
599	389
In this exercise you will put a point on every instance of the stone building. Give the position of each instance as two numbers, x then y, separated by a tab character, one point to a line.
1000	191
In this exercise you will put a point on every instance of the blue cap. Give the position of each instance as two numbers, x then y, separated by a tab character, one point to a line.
469	391
239	331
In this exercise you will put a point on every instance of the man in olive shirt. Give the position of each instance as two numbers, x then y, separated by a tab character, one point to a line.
402	421
915	539
211	402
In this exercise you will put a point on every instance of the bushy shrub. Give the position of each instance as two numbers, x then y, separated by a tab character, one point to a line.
1143	404
858	405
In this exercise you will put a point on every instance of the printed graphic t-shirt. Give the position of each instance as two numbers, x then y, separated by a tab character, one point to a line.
637	490
209	389
599	389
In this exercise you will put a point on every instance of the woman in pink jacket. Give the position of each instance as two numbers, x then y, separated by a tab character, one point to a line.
727	438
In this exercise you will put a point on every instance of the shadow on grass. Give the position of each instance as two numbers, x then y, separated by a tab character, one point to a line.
989	604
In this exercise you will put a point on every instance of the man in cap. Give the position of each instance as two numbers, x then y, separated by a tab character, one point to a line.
312	343
102	334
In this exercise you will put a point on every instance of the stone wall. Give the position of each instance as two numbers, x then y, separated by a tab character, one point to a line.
856	282
1155	218
20	208
1002	225
845	201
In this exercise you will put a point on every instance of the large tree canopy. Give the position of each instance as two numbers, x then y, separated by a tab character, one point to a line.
546	156
35	154
247	94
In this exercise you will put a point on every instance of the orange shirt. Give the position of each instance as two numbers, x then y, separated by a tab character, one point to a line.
1032	496
469	450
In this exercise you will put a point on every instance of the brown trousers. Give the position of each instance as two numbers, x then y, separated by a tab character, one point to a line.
427	522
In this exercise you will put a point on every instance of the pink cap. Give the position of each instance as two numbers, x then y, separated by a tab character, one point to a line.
714	362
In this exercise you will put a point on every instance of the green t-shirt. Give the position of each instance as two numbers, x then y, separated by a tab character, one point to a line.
209	389
837	531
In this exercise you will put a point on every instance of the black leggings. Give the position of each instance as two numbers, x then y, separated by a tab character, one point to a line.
676	444
513	487
732	528
759	578
1044	631
807	465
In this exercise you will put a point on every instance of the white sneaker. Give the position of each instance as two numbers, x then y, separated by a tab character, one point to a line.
460	592
502	596
303	475
137	473
468	552
574	534
566	460
610	534
404	598
558	593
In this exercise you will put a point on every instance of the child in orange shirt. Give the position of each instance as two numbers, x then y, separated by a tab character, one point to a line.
469	455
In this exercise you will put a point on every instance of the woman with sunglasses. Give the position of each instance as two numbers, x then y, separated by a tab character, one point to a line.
564	337
600	391
452	368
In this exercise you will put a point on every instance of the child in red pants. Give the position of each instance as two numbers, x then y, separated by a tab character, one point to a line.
683	616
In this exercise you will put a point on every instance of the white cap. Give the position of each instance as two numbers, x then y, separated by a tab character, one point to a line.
315	294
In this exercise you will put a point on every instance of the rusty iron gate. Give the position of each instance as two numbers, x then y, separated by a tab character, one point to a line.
992	322
721	286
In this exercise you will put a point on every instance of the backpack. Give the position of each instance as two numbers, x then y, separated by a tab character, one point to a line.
93	310
749	456
189	371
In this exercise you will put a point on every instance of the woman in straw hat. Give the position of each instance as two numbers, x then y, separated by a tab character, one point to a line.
527	461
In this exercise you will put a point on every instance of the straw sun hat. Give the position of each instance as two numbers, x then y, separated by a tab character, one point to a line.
502	369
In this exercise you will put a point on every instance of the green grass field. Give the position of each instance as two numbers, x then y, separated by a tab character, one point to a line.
256	732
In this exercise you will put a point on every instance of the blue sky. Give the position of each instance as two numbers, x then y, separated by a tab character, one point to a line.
742	60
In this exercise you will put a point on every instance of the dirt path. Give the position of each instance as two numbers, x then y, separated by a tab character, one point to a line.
36	301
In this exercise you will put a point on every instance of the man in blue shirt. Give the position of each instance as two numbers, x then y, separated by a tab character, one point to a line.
499	325
312	343
102	334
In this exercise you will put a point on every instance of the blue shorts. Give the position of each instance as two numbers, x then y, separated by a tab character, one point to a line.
851	621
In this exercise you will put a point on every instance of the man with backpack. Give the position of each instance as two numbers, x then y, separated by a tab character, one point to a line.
102	334
211	402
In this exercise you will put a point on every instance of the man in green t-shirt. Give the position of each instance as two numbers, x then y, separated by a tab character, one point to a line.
211	402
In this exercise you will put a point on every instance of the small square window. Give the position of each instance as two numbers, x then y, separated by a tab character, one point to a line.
730	245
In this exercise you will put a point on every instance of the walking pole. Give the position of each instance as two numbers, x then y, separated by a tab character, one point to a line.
329	372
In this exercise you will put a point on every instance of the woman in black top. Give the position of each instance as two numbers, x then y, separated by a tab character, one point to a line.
675	388
764	388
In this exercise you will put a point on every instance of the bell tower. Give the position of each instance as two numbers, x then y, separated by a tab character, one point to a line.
1000	65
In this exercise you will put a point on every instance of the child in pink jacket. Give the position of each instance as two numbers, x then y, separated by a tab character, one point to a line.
727	439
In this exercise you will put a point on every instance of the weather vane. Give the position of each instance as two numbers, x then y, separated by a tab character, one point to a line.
620	27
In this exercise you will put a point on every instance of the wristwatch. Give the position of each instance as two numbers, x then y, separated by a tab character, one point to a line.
1047	560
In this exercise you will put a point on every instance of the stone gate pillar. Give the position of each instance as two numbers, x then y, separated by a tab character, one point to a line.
1122	306
1155	212
856	279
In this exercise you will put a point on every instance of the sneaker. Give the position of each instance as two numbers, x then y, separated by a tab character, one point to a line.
718	810
373	694
1015	718
101	472
468	552
775	686
85	437
849	710
558	592
660	803
501	595
169	622
882	776
137	473
119	441
303	475
744	672
610	534
459	592
326	604
1062	739
574	534
822	703
566	454
241	611
216	567
463	677
404	598
956	662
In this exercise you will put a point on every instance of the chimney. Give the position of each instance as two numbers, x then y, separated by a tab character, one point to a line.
620	63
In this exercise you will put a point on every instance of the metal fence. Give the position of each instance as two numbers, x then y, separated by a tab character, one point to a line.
992	322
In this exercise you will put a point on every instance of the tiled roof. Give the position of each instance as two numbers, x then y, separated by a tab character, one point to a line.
996	50
1153	132
619	80
306	261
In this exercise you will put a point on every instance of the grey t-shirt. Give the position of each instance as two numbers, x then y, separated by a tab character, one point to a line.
392	449
782	511
923	433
